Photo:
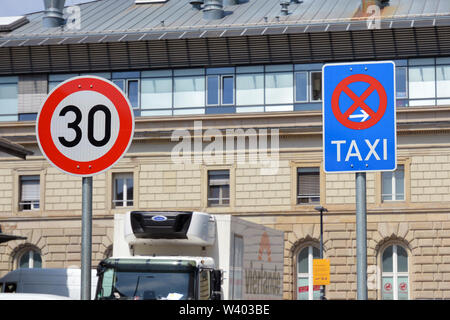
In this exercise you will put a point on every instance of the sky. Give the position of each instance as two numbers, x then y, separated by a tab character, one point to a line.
10	8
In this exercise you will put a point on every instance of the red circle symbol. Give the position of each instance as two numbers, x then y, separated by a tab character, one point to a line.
388	287
359	101
81	89
403	286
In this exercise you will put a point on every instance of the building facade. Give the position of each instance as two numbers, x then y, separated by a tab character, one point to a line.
228	120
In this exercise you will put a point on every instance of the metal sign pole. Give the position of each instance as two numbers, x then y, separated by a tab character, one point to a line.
322	288
86	239
361	236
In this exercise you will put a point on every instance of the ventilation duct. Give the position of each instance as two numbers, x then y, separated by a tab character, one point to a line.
285	7
196	4
230	2
213	9
53	13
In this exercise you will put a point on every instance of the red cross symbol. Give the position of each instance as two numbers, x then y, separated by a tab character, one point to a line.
359	102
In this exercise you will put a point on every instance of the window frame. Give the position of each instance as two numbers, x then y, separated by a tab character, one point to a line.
307	207
11	81
267	96
125	176
395	274
310	246
32	203
308	197
32	250
134	171
204	188
394	180
406	162
311	86
307	86
127	81
221	198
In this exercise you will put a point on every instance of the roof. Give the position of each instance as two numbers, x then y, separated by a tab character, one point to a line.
14	149
11	23
121	17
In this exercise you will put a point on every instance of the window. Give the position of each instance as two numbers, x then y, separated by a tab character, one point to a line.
123	190
401	85
189	92
301	86
305	288
279	88
422	85
443	81
8	98
156	93
213	90
250	89
30	259
308	185
218	188
393	184
56	79
204	284
394	278
131	89
29	193
316	86
220	86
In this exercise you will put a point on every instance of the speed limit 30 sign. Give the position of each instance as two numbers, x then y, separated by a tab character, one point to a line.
85	126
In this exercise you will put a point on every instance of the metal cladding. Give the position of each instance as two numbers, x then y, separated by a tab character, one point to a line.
213	10
53	13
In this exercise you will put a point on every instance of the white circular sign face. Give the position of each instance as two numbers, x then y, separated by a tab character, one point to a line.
85	125
105	126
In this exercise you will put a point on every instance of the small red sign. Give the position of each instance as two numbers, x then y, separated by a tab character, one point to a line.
306	289
403	286
388	287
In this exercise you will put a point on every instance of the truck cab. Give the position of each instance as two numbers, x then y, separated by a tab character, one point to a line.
186	255
158	278
151	262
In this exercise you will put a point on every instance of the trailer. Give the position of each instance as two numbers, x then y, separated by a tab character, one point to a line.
178	255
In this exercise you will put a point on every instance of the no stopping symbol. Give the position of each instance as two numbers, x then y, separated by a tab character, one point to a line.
85	126
359	102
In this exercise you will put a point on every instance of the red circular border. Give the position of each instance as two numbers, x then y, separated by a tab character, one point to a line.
121	144
345	83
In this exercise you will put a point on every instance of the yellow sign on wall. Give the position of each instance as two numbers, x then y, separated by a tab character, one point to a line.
321	272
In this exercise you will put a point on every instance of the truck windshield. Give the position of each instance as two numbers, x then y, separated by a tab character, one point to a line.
140	285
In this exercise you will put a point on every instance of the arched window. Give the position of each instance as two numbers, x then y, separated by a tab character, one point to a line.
305	288
394	275
29	258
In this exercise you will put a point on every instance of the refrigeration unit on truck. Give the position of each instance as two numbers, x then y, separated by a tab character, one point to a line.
191	255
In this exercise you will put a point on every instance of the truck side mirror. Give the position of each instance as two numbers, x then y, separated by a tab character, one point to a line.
216	285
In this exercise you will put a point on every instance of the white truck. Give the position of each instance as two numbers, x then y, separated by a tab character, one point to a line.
55	281
178	255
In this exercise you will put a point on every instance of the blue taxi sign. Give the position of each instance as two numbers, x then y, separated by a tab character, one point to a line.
359	117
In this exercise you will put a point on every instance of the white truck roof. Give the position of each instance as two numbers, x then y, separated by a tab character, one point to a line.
205	262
